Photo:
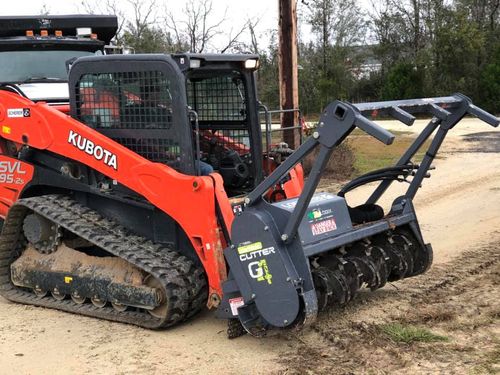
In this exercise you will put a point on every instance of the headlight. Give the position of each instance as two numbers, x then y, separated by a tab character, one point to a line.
194	63
251	64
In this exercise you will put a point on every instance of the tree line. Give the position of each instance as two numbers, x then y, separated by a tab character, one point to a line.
395	50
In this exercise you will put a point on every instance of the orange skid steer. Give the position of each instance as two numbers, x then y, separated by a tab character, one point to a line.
150	201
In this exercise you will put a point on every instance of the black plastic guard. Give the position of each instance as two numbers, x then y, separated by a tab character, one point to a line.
258	264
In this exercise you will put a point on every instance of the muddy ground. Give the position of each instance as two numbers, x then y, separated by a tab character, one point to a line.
458	300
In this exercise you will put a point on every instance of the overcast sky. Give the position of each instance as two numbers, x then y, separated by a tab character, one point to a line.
237	11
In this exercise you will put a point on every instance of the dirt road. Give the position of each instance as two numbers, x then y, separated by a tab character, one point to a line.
459	210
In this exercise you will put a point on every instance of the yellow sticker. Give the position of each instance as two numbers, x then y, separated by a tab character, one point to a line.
68	279
250	247
5	129
266	275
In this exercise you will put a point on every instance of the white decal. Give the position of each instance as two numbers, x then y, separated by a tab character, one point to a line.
9	167
15	112
10	171
257	254
235	303
89	147
255	270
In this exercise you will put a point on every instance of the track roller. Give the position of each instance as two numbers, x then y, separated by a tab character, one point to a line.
57	294
109	271
97	302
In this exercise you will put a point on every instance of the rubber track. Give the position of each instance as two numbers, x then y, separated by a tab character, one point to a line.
183	281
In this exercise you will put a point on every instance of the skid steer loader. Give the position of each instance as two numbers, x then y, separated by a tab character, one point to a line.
107	212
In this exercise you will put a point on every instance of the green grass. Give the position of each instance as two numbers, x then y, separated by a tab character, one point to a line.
408	334
371	154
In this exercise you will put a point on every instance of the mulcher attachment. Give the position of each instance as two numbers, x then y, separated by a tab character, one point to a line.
292	258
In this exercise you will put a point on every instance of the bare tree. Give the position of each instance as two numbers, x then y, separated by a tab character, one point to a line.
199	27
144	16
234	42
254	44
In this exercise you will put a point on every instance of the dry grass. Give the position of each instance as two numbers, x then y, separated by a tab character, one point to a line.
428	314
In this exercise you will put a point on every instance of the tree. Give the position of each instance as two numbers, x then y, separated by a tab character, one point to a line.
457	51
139	32
336	23
44	10
198	27
107	7
489	84
144	17
403	81
152	40
485	13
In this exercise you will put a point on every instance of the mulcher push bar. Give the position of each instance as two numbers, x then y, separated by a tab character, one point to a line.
447	112
340	118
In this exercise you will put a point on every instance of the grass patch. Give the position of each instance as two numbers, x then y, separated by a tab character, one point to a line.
408	334
371	154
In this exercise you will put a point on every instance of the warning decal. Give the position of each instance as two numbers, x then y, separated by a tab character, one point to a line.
323	226
235	303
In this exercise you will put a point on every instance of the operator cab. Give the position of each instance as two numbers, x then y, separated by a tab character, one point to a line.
185	110
221	91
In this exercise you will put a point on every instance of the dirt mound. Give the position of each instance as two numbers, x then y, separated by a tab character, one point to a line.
340	166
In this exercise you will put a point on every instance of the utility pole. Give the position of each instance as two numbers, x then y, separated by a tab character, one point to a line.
288	73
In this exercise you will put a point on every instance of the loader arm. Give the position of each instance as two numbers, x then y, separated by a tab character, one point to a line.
174	193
